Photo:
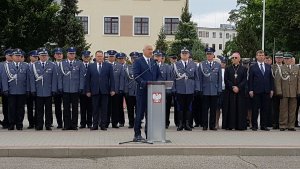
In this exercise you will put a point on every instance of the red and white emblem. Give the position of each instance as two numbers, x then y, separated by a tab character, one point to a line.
156	97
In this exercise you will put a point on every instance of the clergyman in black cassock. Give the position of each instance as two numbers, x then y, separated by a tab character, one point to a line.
234	110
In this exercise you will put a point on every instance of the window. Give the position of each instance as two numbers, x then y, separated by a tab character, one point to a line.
85	23
220	47
141	26
214	46
207	34
233	35
221	35
111	25
200	34
171	25
227	35
214	34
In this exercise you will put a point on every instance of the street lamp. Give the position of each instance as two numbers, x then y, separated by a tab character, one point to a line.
263	25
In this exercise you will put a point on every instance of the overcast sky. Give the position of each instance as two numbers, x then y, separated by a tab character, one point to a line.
211	13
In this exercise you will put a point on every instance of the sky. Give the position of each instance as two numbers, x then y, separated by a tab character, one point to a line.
211	13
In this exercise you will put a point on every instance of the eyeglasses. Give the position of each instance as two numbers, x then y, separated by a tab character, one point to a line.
234	57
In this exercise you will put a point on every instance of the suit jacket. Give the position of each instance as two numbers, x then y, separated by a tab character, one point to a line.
71	82
258	82
212	84
140	66
191	84
21	85
102	83
291	86
45	87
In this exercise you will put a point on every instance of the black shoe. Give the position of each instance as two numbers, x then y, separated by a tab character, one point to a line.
254	128
187	127
94	128
264	129
30	127
204	128
275	127
167	126
214	129
121	125
138	139
180	126
115	126
291	129
11	128
51	125
48	128
89	126
19	128
82	126
103	128
282	129
66	128
130	126
38	128
59	127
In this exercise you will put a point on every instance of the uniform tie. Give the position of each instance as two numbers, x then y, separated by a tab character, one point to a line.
185	65
43	65
71	64
86	65
17	65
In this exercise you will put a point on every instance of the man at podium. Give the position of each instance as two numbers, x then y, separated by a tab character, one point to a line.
144	69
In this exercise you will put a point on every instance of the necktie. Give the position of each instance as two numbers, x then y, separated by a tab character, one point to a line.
43	65
71	64
148	60
185	65
262	69
17	65
99	68
86	65
210	64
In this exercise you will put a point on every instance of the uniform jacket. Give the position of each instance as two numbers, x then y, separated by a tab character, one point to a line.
45	87
130	83
210	78
21	85
71	79
190	84
291	86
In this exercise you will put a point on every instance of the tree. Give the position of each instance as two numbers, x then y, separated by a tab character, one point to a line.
282	25
186	35
26	24
161	43
71	31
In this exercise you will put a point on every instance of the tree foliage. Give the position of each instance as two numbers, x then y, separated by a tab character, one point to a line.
161	43
186	36
282	25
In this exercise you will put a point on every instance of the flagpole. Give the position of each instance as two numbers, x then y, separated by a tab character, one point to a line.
263	26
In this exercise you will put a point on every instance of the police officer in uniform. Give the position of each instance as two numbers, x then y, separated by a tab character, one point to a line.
16	84
85	102
31	100
130	89
71	82
43	82
186	85
276	98
211	80
58	56
114	101
288	88
165	75
173	59
121	60
5	122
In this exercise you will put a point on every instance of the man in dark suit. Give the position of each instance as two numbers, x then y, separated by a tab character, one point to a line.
144	69
261	90
99	85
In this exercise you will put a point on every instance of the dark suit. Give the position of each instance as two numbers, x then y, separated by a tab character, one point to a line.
150	73
100	84
261	85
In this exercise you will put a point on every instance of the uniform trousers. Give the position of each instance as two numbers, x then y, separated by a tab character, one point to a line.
5	106
85	110
70	117
209	103
58	109
16	109
184	101
131	106
44	108
287	114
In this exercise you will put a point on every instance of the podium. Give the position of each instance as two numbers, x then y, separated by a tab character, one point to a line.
156	118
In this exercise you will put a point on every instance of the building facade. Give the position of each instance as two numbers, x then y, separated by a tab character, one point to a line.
217	37
127	25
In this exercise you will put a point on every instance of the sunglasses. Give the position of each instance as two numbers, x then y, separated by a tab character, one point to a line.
234	57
